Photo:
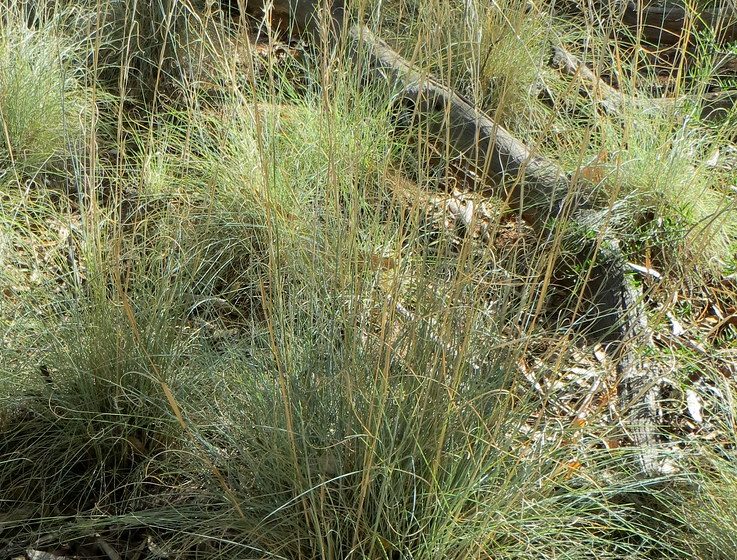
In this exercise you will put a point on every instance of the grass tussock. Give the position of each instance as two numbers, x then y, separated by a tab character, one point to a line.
261	324
42	101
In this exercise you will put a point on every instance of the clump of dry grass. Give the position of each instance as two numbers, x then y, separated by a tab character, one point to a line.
258	350
43	104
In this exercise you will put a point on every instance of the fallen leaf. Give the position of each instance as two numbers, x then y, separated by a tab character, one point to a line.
645	270
693	401
676	327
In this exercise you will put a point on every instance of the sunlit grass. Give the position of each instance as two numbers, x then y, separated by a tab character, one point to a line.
42	104
247	336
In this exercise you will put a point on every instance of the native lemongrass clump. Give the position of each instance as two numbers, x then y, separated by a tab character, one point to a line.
42	105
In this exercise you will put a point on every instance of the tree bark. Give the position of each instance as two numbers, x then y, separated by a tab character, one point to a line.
664	22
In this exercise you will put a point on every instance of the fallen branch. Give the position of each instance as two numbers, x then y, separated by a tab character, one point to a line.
540	189
298	17
610	98
718	104
713	106
671	22
531	183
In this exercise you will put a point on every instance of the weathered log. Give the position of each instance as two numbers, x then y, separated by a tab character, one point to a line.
531	183
541	189
718	104
611	99
714	105
665	23
640	384
669	22
299	17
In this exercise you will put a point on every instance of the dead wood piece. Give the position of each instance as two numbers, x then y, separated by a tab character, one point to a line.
714	106
669	22
640	391
665	23
640	381
539	188
718	105
530	182
611	99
